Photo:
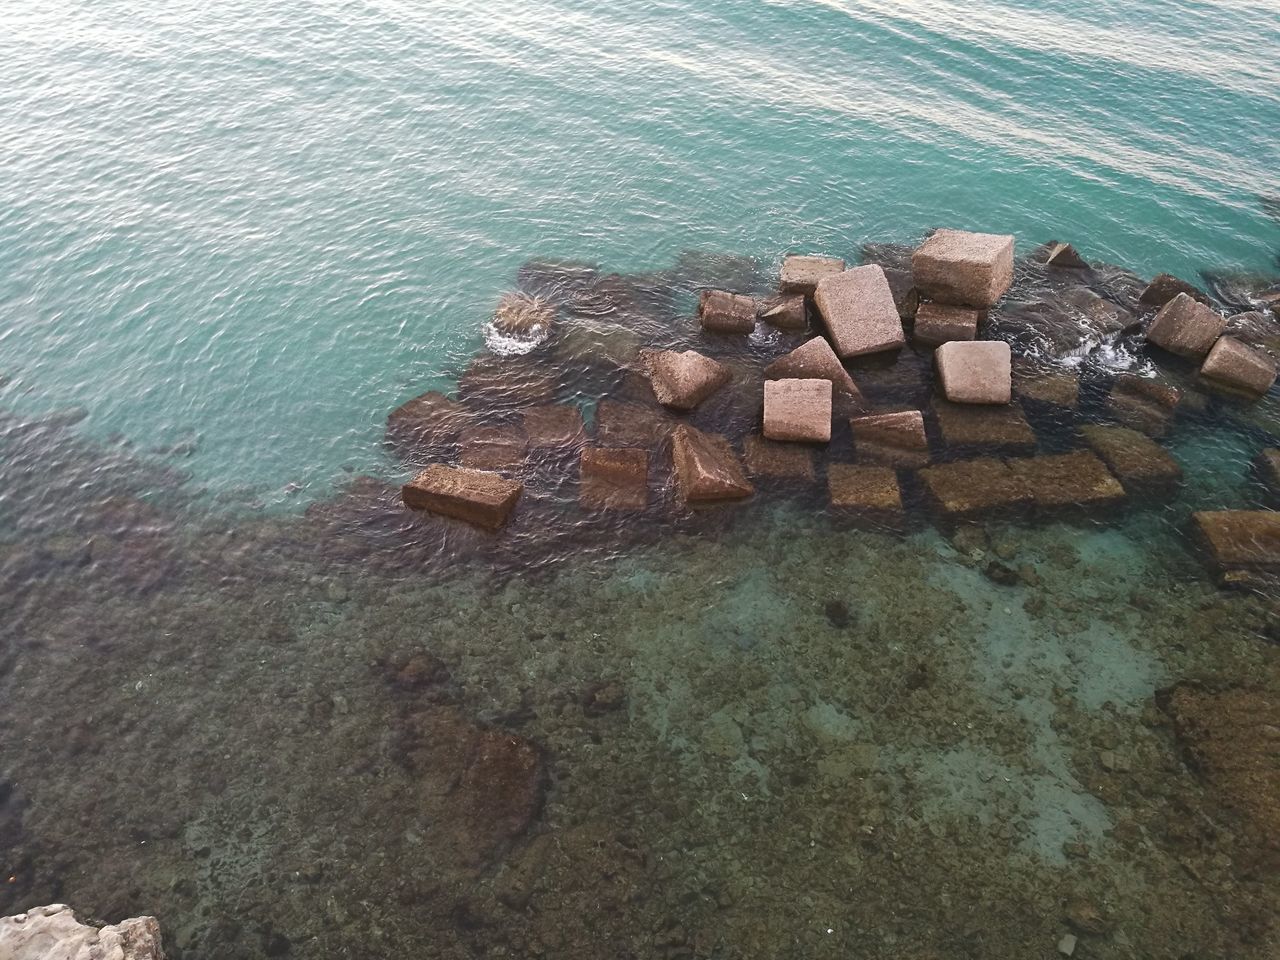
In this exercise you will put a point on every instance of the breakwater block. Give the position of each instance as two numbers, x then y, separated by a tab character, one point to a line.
1143	466
858	308
797	410
1186	327
968	269
896	439
476	496
707	469
1241	541
616	479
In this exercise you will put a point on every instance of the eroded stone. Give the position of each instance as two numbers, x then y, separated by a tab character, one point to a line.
971	269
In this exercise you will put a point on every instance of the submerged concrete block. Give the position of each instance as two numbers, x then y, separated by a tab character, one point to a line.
684	380
707	468
937	323
801	272
1238	368
1068	481
798	410
864	489
956	266
724	312
622	424
767	458
814	360
897	439
970	487
429	421
1052	389
1003	428
978	371
788	312
476	496
554	425
1241	539
1142	465
1148	404
613	479
1186	327
494	447
858	308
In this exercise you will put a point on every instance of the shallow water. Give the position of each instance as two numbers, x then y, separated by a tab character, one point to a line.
246	692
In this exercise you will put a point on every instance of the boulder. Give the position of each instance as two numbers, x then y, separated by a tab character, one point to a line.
1237	368
493	447
1063	256
707	468
864	489
1144	403
1166	287
970	269
614	479
621	424
724	312
684	380
1076	480
554	425
428	422
977	371
798	410
1142	465
475	496
801	272
1186	327
969	487
1051	389
782	461
858	308
787	312
897	439
1003	428
1247	540
814	360
54	933
937	323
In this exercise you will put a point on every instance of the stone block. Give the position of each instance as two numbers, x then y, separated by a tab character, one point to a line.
801	272
475	496
787	312
971	487
430	421
707	469
814	360
614	479
976	371
864	489
1186	327
554	425
938	323
858	309
1166	287
724	312
1237	368
1003	428
684	380
797	410
1068	481
1148	404
1241	539
1051	389
621	424
1143	466
780	461
897	439
971	269
493	447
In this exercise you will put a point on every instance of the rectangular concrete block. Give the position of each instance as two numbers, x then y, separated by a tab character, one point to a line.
1075	481
797	410
864	488
1241	539
958	267
978	371
1001	427
475	496
973	487
780	461
724	312
858	309
1141	464
801	272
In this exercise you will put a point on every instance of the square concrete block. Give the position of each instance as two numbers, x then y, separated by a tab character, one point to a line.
781	461
616	479
970	269
1186	327
1239	368
938	323
475	496
724	312
801	272
1001	427
897	439
862	488
977	371
797	410
858	308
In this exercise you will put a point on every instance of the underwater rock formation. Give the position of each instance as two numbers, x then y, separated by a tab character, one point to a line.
54	933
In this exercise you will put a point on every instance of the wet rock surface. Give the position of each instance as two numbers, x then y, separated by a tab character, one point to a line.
53	933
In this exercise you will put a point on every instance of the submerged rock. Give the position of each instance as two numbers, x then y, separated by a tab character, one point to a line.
1241	540
976	371
684	380
858	308
706	467
1186	327
798	410
896	439
968	269
476	496
54	933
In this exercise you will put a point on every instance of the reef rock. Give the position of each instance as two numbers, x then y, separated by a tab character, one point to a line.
937	323
797	410
1166	287
787	313
766	458
707	468
897	439
976	371
969	269
724	312
54	933
684	380
1186	327
858	308
814	360
614	478
475	496
864	489
1142	465
801	272
1237	368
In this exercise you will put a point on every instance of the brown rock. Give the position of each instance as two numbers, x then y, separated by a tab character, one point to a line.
484	499
1241	539
706	467
429	421
1142	465
1268	467
862	488
493	447
1052	389
493	382
555	425
501	790
724	312
858	309
1064	257
993	427
1144	403
788	313
616	479
1166	287
897	439
801	273
1237	368
798	410
814	360
620	424
765	458
1186	327
975	372
937	323
968	487
1068	480
972	269
684	380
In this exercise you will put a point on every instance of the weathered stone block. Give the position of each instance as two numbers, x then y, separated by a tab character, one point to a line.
1186	327
724	312
428	421
475	496
814	360
1241	539
684	380
801	272
1166	287
1052	389
493	447
621	424
1142	465
1076	480
1238	368
955	266
783	461
797	410
969	487
787	313
858	308
554	425
937	323
864	489
897	439
707	468
977	371
616	479
1003	428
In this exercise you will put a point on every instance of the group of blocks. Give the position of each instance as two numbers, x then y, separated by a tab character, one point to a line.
1191	329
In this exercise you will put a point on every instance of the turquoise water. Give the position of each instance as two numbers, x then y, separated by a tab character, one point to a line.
260	228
